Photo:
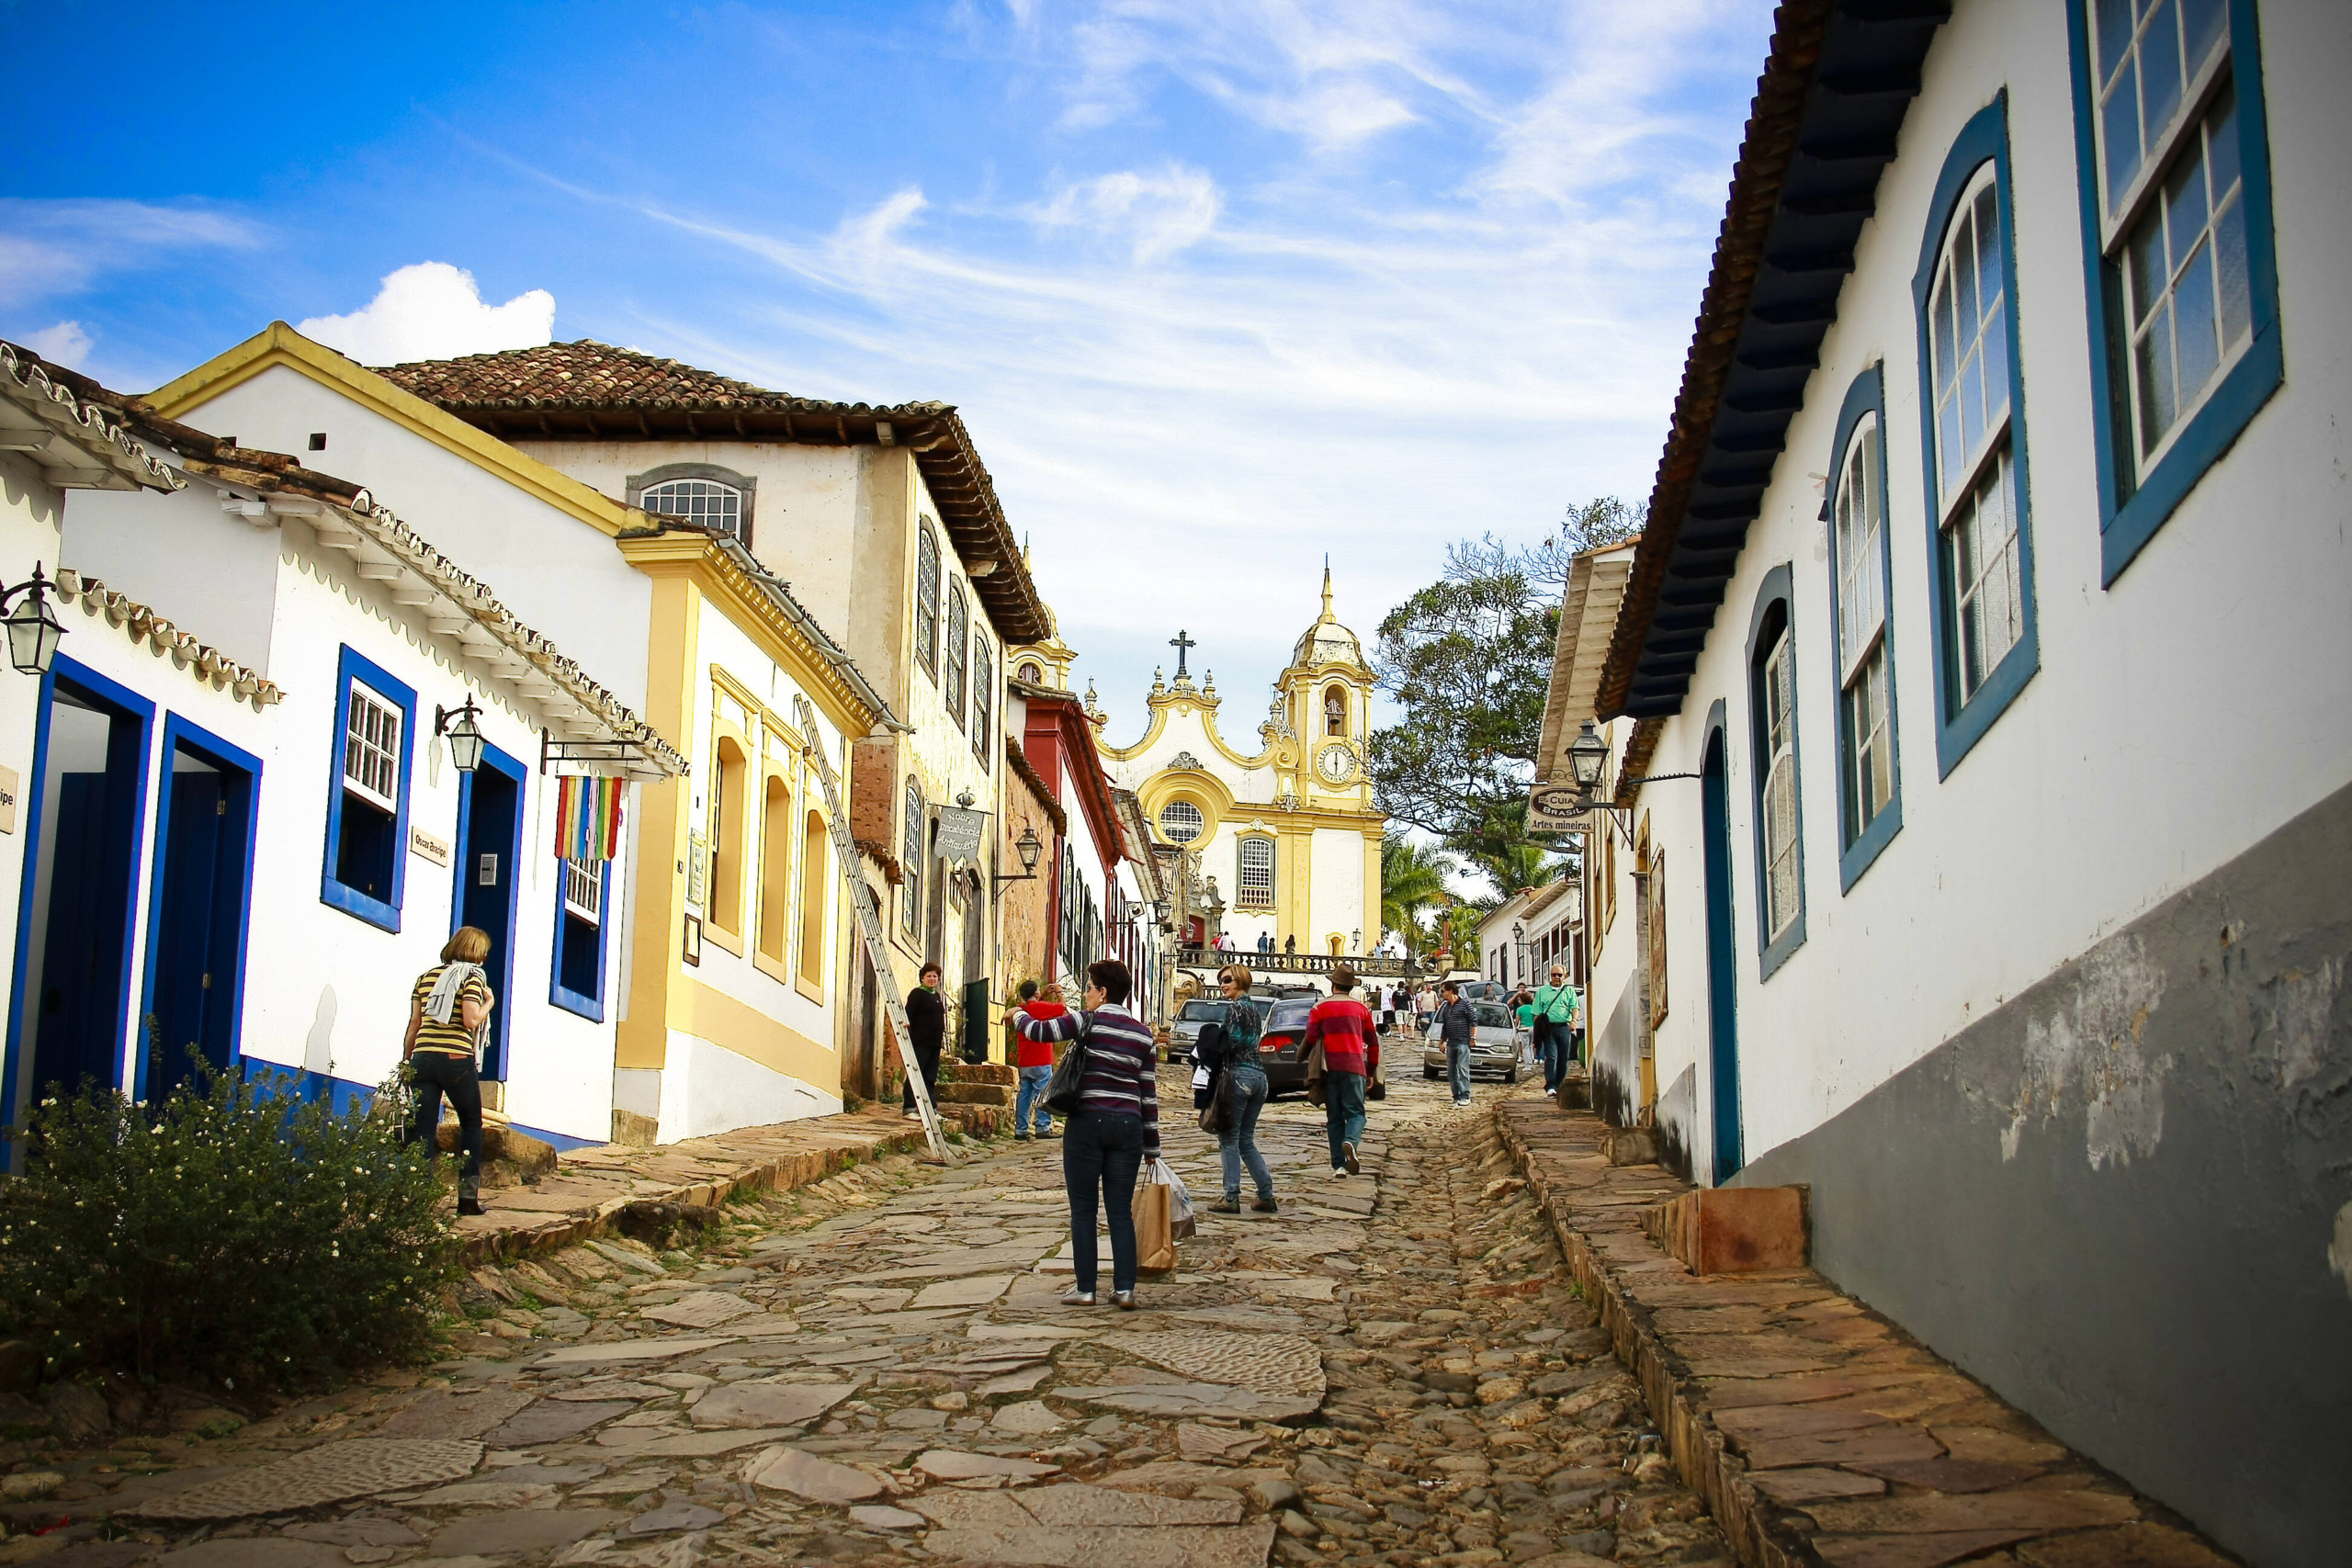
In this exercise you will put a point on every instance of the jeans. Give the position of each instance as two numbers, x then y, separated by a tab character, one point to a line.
927	1062
1248	1094
1033	1089
1457	1065
1343	1111
1550	1051
1098	1146
439	1073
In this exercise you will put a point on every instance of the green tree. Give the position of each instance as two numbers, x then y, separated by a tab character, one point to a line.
1468	658
1412	881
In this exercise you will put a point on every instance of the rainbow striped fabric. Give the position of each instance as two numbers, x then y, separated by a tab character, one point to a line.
588	817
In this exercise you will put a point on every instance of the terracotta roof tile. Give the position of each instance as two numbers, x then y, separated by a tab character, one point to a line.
588	374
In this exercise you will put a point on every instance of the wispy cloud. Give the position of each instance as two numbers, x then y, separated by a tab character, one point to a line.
55	249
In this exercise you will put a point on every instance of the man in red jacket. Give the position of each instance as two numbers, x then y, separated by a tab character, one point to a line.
1344	1028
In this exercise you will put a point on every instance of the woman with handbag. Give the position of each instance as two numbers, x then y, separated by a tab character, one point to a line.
447	1007
1107	1086
1240	1095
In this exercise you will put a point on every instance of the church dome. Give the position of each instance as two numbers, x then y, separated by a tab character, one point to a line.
1327	641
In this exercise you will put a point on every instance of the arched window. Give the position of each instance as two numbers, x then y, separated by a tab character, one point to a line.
1780	870
1982	576
959	632
776	867
911	858
728	802
927	598
1335	712
1033	673
983	698
815	850
1182	821
1254	884
705	501
1867	785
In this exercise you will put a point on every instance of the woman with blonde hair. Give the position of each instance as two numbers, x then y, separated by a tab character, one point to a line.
1246	1094
448	1008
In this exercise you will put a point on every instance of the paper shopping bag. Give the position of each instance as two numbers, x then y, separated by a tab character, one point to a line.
1155	1244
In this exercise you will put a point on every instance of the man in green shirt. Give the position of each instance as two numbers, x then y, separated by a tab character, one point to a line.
1555	1010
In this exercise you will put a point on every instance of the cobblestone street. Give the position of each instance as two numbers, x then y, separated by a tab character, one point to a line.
876	1368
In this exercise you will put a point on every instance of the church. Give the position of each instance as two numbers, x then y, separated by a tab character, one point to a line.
1286	827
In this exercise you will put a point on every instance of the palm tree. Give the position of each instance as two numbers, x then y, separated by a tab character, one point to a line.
1412	879
1523	865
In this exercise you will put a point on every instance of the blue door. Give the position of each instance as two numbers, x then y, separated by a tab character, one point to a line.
490	833
1723	1017
195	950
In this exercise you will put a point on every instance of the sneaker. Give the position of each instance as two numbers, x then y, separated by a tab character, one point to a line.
1124	1300
1266	1205
1348	1157
911	1114
1078	1299
1229	1205
1339	1173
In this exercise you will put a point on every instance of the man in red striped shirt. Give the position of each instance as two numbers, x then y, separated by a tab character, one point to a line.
1344	1028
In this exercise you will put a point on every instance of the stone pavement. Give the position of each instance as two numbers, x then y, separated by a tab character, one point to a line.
874	1368
1819	1430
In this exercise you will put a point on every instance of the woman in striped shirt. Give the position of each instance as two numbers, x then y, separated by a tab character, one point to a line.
1116	1127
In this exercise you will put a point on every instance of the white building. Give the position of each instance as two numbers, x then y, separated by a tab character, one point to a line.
1289	832
251	836
1996	590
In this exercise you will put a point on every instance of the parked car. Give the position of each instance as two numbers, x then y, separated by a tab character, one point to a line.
1283	1050
1497	1044
1185	1032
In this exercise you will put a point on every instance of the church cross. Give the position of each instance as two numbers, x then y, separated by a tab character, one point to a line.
1182	644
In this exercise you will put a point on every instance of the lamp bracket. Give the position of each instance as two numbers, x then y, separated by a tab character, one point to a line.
629	753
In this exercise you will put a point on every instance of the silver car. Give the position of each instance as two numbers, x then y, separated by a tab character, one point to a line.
1185	1032
1497	1044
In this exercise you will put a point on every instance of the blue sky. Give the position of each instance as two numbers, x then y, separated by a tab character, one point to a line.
1219	285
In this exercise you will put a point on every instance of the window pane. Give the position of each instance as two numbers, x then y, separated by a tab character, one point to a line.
2185	203
2236	286
2203	22
2222	144
1950	464
2113	25
2119	135
1943	323
2160	82
2194	326
1972	407
1963	258
2144	265
2153	362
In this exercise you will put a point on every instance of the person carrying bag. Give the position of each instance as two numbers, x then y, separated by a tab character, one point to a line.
1240	1095
1107	1084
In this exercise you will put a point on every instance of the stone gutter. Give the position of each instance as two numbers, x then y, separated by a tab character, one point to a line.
1816	1430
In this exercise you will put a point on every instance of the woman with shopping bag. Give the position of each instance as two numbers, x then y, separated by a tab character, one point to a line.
1112	1126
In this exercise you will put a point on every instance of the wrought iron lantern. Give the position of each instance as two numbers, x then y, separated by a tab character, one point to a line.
33	631
465	735
1587	755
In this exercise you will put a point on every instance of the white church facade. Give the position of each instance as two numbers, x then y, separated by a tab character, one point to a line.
1286	829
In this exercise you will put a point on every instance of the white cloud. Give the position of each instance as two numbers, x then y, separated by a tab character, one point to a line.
65	343
1153	214
434	311
53	248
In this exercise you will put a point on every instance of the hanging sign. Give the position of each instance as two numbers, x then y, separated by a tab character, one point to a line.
960	833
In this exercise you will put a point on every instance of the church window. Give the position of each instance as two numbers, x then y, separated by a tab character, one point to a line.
1182	821
912	859
927	601
1033	674
1255	885
704	501
1335	712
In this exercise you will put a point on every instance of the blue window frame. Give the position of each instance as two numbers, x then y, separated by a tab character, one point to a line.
368	792
200	904
1861	630
2173	148
1972	417
1779	791
576	980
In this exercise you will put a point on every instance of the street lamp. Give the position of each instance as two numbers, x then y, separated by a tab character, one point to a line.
1587	755
1028	847
32	630
465	736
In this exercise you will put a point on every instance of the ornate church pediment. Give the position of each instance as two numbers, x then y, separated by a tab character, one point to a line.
1185	760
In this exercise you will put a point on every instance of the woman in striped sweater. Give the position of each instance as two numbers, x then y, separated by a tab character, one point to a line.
1116	1127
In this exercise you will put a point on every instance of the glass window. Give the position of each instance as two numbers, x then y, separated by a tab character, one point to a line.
927	598
958	629
580	937
1032	673
1256	882
1182	821
1968	336
983	695
1777	752
367	814
371	748
704	501
1865	738
2187	293
912	860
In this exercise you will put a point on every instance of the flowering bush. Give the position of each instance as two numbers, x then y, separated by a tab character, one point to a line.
223	1231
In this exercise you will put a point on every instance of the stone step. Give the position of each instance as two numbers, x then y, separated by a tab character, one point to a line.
1732	1230
977	1072
953	1093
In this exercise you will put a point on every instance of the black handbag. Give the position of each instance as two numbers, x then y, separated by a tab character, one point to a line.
1069	1073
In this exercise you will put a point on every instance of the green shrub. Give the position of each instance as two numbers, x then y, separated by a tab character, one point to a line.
225	1231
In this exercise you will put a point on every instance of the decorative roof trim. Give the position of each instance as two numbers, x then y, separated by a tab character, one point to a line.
34	384
143	625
